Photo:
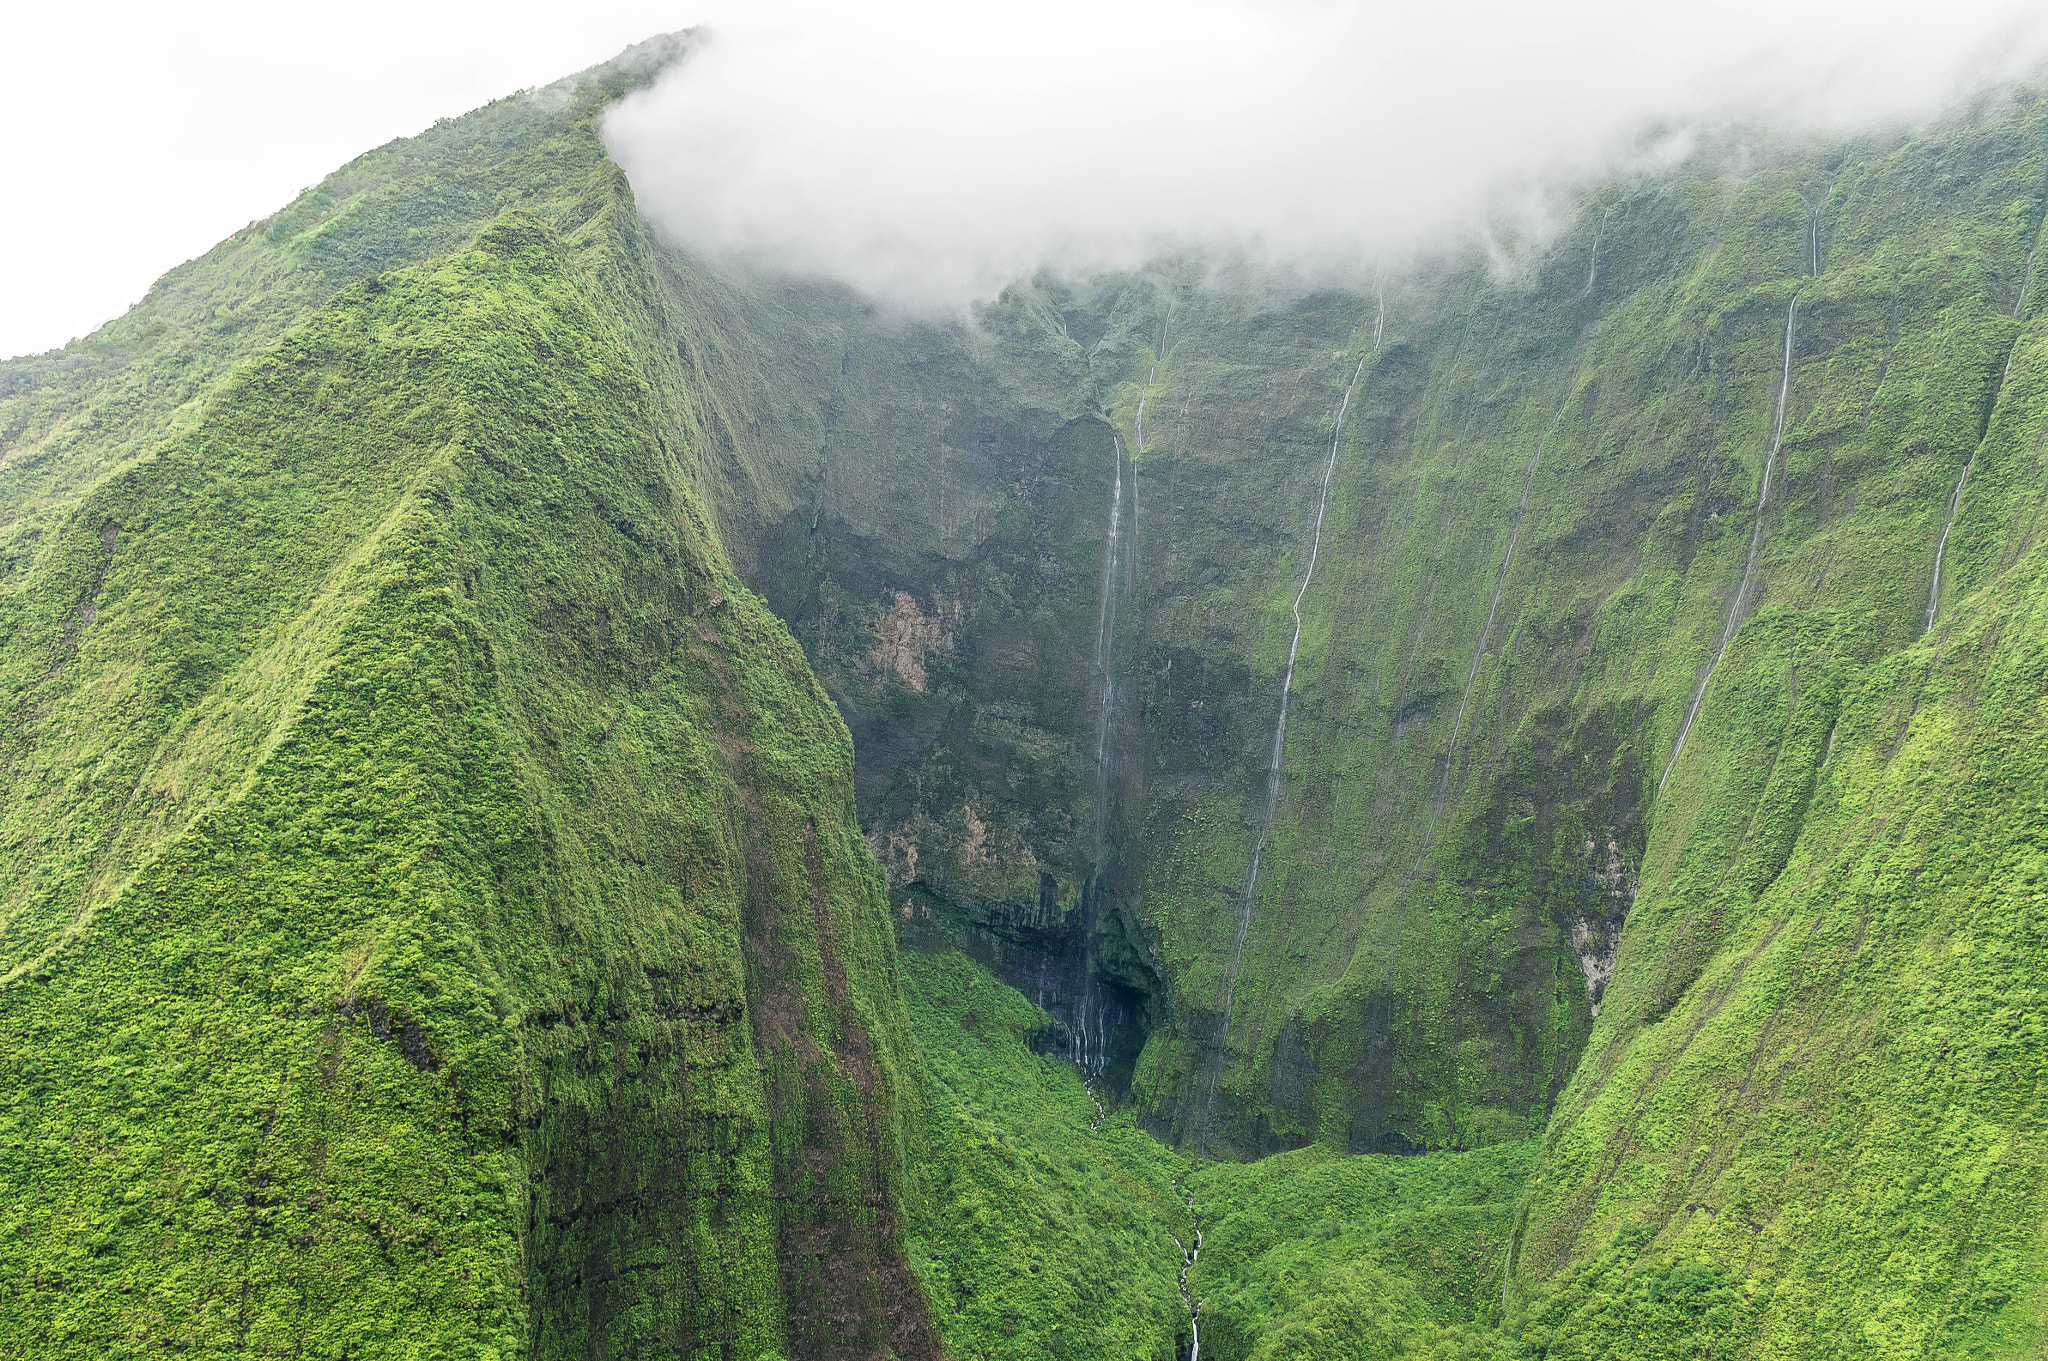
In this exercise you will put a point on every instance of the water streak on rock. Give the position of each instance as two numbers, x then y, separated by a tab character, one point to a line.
1756	540
1279	751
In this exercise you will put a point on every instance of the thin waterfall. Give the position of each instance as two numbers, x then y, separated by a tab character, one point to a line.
1593	256
1500	581
1151	378
1188	1257
1089	1029
1955	500
1814	217
1251	881
1756	539
1115	584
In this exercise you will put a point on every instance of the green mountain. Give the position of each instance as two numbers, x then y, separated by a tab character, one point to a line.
436	919
562	798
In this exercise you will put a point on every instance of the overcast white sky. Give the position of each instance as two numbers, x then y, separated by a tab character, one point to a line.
135	135
909	145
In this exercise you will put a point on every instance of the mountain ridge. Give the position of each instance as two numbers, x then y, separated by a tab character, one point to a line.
539	680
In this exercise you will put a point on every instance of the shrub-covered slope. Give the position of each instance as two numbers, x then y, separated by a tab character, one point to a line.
1818	1084
433	906
1315	1253
436	922
1056	1228
1049	1222
69	416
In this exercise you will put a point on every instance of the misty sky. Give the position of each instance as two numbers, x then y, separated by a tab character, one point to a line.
138	135
920	149
930	153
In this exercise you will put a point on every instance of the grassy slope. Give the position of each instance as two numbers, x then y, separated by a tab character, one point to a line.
1834	1130
436	921
1316	1254
1818	1089
69	416
1044	1238
1041	1236
1409	976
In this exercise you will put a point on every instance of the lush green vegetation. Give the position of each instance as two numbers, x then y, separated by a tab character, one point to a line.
1047	1229
1319	1254
436	921
442	914
1822	1063
70	416
1050	1229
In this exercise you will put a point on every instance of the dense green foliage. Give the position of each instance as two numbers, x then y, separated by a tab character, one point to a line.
69	416
1823	1081
1047	1232
442	914
1315	1254
436	922
1051	1229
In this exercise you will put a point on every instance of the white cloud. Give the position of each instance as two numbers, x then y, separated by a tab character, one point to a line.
926	152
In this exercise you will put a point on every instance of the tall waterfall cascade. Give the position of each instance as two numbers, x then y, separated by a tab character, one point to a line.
1278	753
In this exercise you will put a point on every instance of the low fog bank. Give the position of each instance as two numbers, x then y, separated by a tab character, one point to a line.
927	155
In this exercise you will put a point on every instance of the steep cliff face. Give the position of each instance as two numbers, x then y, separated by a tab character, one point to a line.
1592	701
1815	1087
1541	523
1611	549
436	920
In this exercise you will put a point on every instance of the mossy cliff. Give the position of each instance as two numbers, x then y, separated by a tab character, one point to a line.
436	920
1551	547
444	914
942	562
